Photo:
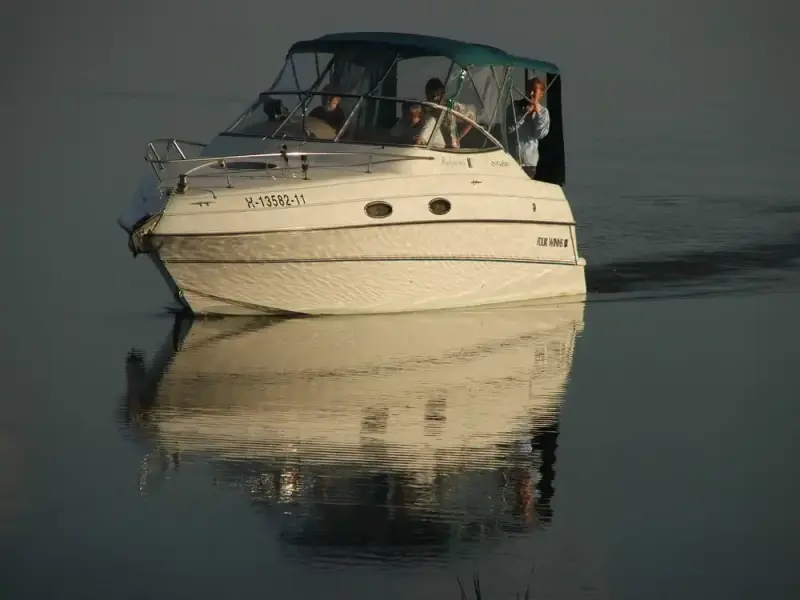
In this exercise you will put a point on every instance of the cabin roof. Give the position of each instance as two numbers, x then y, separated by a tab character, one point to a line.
411	45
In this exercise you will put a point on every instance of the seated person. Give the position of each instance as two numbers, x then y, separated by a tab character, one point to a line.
409	125
330	111
532	124
435	92
429	129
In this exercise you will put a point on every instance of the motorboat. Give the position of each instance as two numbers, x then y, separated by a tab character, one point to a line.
457	410
346	189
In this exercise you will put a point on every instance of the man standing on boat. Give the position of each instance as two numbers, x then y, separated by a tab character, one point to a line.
531	126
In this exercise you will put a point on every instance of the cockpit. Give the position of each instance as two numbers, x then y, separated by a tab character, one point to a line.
393	90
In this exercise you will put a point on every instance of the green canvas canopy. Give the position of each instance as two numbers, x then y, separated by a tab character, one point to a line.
410	45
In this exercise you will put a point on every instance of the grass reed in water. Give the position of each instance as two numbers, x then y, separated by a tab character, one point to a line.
476	584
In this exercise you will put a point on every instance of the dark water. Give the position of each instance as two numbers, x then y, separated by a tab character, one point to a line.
642	445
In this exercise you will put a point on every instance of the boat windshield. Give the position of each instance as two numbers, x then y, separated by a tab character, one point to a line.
379	97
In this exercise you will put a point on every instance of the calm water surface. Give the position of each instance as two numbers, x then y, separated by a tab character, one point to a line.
643	448
641	445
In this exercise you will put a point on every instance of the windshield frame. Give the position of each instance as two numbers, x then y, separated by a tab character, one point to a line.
456	71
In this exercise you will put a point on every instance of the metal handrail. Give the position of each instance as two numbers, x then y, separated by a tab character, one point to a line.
222	161
171	143
179	141
211	159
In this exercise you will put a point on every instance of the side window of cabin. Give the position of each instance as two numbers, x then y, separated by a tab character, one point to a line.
377	117
480	100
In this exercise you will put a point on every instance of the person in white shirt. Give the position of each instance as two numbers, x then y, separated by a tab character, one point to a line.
447	134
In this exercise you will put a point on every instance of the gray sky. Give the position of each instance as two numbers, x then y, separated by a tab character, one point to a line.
623	51
637	69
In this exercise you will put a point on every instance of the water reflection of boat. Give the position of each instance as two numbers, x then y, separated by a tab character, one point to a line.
402	429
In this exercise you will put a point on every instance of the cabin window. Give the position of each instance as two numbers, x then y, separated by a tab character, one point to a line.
482	89
300	72
402	110
439	206
414	73
380	97
380	89
378	210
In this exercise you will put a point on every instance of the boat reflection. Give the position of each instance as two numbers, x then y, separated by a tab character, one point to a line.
405	433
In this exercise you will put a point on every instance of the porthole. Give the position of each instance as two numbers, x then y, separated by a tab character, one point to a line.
378	210
439	206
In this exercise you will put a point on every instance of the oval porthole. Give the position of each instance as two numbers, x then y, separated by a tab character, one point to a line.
378	210
439	206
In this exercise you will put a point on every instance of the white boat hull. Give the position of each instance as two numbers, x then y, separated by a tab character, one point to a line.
377	286
375	269
284	244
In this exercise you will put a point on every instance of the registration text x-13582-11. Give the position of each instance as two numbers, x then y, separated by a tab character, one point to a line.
275	200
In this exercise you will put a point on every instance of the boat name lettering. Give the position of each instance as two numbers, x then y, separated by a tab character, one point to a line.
274	200
552	242
454	162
